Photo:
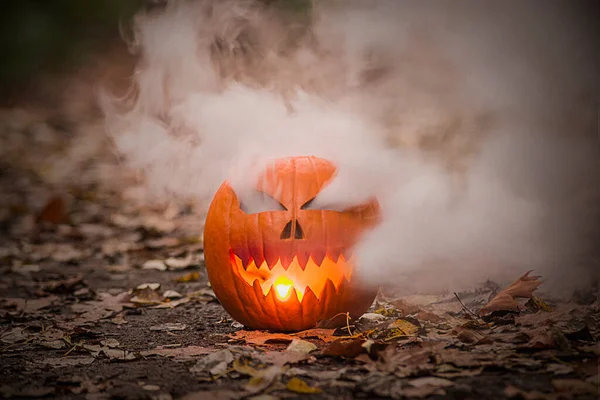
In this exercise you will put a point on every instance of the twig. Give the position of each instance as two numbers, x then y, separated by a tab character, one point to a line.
465	307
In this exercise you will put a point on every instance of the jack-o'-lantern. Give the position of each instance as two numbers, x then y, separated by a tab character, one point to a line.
287	268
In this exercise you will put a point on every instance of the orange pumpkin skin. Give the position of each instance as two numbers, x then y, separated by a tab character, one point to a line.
247	254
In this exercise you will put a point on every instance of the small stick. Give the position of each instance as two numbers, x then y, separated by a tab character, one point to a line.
465	307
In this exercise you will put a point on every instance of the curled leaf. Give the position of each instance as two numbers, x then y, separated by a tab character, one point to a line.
506	299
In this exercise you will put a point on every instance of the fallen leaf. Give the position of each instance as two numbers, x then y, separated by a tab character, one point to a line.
172	294
31	305
110	343
476	325
301	346
299	386
118	354
68	361
405	307
54	212
52	344
181	353
119	319
373	348
261	338
326	335
180	263
146	296
93	311
431	381
168	327
372	317
168	303
154	264
214	363
191	277
428	316
468	336
345	348
505	300
537	304
14	335
151	286
404	327
263	379
281	358
62	286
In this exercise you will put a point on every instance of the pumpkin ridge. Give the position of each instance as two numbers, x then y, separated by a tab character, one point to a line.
259	296
271	296
237	290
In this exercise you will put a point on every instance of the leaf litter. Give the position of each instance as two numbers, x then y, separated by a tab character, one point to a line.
101	280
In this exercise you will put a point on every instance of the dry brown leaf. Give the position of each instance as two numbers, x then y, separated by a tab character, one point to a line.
506	299
326	335
54	212
95	310
261	338
281	358
180	353
30	305
345	348
405	307
428	316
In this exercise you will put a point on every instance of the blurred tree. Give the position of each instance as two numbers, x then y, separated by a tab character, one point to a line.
42	36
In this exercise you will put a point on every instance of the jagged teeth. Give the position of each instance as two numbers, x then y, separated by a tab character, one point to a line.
286	260
257	256
302	259
270	259
311	274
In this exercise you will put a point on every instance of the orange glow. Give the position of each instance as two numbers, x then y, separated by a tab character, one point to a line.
283	287
283	280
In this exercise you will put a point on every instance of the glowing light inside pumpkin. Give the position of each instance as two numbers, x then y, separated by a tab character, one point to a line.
314	275
283	287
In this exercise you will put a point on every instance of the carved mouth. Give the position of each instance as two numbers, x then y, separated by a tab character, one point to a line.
276	276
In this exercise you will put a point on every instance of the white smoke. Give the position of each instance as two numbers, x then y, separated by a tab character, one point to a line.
472	122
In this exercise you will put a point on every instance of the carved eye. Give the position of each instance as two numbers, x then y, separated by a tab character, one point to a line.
257	202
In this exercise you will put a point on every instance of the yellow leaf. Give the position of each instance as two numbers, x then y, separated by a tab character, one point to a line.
407	328
299	386
192	276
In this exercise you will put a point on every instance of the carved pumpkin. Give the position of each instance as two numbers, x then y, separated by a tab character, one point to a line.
287	268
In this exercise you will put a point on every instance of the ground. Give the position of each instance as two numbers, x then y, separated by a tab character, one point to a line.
104	294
